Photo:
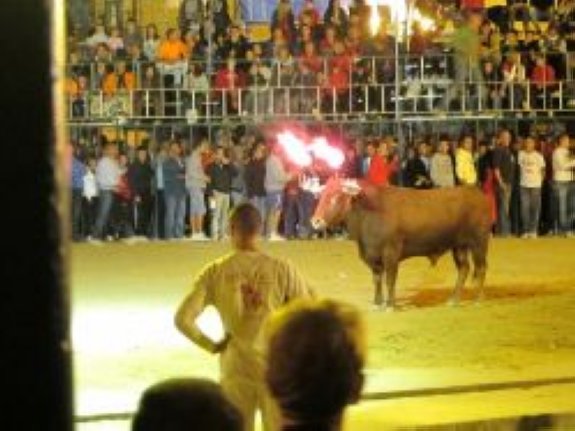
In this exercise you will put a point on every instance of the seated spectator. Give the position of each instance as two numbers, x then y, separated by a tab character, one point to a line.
132	35
184	405
236	45
543	81
316	353
191	41
514	80
283	18
277	42
135	55
327	44
304	36
102	53
115	41
198	86
172	57
228	82
77	90
310	61
120	79
151	42
336	16
148	100
99	36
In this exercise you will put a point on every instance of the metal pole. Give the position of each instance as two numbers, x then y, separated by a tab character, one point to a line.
210	59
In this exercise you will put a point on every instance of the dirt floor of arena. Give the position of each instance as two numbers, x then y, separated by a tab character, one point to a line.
124	297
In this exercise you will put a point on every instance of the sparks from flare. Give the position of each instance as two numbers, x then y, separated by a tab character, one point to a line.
301	153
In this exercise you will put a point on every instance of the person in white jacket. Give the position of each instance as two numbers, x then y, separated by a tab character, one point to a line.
532	172
564	184
245	287
90	197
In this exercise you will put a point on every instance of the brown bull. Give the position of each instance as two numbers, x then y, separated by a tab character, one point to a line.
392	224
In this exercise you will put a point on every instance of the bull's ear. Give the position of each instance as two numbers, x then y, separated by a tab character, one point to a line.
351	187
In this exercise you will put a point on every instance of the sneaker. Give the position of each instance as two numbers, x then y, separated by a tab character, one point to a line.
199	237
275	237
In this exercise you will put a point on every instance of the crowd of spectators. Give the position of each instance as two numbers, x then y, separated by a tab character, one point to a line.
176	190
507	56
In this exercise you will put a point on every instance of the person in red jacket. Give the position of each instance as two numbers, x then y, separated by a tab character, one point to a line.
380	168
544	82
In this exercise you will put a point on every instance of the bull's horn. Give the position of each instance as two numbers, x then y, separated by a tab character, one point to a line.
351	187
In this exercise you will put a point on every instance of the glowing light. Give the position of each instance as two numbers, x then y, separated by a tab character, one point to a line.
425	23
295	149
321	149
210	323
374	20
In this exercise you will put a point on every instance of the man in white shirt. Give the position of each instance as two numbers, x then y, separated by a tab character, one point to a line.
564	184
532	172
108	174
245	286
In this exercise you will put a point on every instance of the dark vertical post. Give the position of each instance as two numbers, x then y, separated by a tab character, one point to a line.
34	317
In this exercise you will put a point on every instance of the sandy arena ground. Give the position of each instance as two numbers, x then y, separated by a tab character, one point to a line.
124	298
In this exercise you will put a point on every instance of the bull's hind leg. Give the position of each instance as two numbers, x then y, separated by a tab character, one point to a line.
378	286
479	256
460	257
391	267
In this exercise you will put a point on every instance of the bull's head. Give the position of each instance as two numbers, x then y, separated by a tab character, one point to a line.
334	202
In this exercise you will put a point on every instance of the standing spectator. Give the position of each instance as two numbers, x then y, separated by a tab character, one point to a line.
564	184
78	173
221	173
276	179
532	171
107	176
380	170
283	19
467	55
90	198
174	176
487	177
504	170
238	159
196	183
245	287
292	209
316	356
255	175
336	16
151	42
159	197
441	170
122	211
464	164
140	178
417	169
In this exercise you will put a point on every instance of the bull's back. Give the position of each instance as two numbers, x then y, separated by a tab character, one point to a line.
432	221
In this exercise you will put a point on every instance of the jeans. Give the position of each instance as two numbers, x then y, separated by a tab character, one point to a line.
503	206
220	215
238	198
564	192
106	202
530	208
293	215
76	214
260	203
175	215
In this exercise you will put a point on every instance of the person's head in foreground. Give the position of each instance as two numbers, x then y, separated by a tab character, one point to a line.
316	353
186	405
245	226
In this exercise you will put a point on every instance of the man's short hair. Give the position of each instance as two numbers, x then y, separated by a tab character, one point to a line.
184	405
315	359
246	220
